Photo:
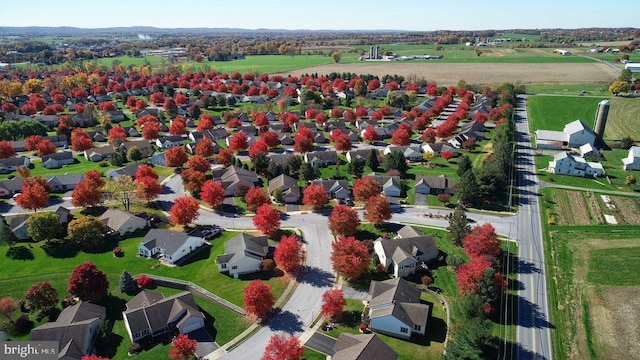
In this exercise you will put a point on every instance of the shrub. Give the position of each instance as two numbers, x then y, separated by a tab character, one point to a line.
23	325
103	164
551	217
455	261
117	252
380	268
268	265
426	280
19	253
144	282
134	348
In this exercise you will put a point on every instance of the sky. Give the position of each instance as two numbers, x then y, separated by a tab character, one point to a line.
412	15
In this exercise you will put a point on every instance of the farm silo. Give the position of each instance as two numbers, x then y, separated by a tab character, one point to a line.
601	118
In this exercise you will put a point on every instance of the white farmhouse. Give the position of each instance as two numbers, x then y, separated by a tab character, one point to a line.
566	164
632	161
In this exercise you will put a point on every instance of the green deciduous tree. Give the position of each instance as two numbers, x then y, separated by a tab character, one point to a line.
86	231
44	226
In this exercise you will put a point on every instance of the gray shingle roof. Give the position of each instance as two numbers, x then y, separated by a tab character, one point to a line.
414	246
362	347
152	311
169	240
243	245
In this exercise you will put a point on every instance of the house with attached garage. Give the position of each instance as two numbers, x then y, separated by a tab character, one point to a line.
243	254
574	134
166	142
359	154
150	315
144	145
337	189
395	309
96	154
411	153
234	176
289	187
10	187
8	165
566	164
321	158
438	148
122	222
168	245
129	170
434	185
632	161
64	183
390	185
58	160
403	256
75	330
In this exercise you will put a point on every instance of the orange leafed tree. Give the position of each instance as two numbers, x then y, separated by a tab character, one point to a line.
289	254
256	197
183	348
350	257
238	142
212	193
377	210
176	156
184	211
6	149
344	220
198	163
365	187
333	303
205	148
315	196
267	220
148	188
80	140
35	193
258	299
283	348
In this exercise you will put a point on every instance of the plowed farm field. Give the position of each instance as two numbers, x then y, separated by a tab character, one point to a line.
477	73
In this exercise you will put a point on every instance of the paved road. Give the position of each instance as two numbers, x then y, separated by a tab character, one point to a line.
533	330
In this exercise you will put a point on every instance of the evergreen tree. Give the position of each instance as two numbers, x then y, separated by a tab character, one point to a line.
458	225
372	160
127	284
464	165
6	235
273	170
356	167
467	189
471	340
395	160
306	172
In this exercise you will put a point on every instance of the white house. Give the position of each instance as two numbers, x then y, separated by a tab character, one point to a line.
575	134
395	309
411	153
8	165
150	314
243	255
566	164
390	185
632	161
403	256
166	142
57	160
121	221
169	245
338	189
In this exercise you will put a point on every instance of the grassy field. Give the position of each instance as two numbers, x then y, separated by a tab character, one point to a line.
597	89
553	112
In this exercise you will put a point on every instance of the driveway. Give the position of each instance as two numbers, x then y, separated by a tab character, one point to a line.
421	199
321	343
206	344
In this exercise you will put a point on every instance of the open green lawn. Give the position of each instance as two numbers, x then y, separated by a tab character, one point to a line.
601	89
614	266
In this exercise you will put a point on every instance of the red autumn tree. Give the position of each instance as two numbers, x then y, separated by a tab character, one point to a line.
183	348
234	123
470	274
340	140
315	196
401	137
270	138
148	188
212	193
117	135
336	113
259	147
261	120
373	84
428	135
151	130
350	257
289	254
88	192
205	123
344	220
178	126
87	282
283	348
42	296
6	149
238	142
45	147
144	282
146	170
31	142
333	303
366	187
80	140
377	210
267	220
9	108
223	157
303	140
193	180
184	210
176	156
35	194
370	134
258	299
446	155
198	163
482	241
256	197
170	107
205	148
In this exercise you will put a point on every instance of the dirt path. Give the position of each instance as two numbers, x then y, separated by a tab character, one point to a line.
476	73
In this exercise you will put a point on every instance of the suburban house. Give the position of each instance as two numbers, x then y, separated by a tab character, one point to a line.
57	160
362	347
18	225
390	185
234	176
566	164
159	159
170	246
474	130
166	142
75	330
338	189
280	159
19	145
123	222
214	134
321	158
438	148
11	186
632	161
358	154
150	314
99	153
144	145
8	165
64	183
403	256
57	140
243	254
129	170
575	134
434	185
395	309
64	215
289	186
411	153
